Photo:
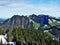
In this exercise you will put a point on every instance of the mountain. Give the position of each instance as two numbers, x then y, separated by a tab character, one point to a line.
2	19
16	21
32	21
42	19
39	22
24	21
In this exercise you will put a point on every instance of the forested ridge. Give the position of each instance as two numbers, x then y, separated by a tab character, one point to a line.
32	36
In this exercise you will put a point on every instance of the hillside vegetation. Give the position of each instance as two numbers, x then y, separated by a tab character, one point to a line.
32	36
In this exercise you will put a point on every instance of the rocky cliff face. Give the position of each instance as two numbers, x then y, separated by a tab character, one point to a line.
17	21
24	21
42	19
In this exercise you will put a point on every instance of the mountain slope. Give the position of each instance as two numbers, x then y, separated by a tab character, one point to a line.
33	22
2	20
17	21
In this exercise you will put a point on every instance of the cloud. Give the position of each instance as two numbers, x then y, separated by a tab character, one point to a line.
24	7
4	3
27	9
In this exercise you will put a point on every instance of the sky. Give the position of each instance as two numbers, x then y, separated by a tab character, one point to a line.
8	8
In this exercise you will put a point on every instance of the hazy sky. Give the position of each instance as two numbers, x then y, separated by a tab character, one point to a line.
8	8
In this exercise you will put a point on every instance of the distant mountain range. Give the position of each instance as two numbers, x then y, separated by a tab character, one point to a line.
2	19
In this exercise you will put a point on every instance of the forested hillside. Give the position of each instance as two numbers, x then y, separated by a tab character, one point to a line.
35	37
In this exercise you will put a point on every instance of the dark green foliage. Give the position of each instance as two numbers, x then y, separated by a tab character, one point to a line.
33	36
1	31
